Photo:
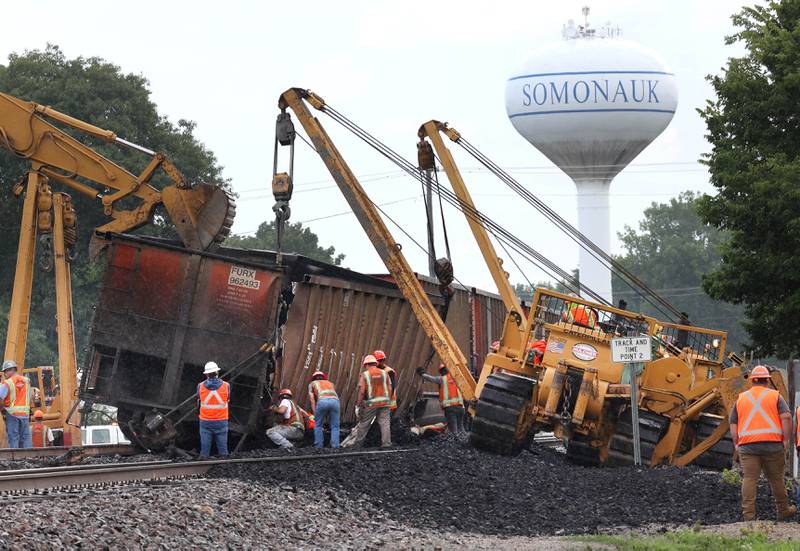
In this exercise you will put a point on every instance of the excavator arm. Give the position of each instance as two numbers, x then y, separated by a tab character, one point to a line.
388	249
202	214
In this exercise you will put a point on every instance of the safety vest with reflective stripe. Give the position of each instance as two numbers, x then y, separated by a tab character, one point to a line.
393	399
39	435
581	315
214	403
17	400
323	389
449	395
294	419
378	387
758	417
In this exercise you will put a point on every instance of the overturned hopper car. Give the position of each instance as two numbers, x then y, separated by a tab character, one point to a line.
163	311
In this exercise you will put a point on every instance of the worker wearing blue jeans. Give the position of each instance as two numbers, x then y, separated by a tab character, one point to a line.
325	405
213	431
15	397
213	396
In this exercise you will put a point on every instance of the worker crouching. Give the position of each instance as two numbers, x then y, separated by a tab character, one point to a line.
760	426
291	425
449	397
374	401
325	406
41	435
214	395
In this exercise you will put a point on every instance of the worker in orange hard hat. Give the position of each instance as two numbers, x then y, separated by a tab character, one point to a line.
41	434
380	355
291	426
374	399
760	425
324	405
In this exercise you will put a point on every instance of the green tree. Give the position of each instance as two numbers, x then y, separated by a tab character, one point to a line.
296	240
98	92
671	252
755	165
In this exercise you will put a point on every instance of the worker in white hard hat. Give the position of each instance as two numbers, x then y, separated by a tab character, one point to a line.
374	401
15	401
213	396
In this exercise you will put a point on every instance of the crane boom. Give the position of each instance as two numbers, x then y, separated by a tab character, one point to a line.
388	249
433	130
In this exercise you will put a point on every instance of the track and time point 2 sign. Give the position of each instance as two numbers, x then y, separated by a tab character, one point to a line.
631	350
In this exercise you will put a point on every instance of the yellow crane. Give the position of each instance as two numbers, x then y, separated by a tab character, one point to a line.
202	215
575	390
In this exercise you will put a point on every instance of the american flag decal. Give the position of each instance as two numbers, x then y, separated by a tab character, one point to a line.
556	346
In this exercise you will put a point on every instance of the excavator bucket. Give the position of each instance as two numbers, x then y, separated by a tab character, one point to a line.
203	214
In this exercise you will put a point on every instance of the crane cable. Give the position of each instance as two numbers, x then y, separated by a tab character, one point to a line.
500	233
576	235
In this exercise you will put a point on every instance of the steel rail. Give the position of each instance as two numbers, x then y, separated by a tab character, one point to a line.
15	454
86	475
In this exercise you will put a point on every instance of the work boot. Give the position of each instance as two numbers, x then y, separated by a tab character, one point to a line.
788	514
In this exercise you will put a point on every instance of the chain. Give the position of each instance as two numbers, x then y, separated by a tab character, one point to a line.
566	416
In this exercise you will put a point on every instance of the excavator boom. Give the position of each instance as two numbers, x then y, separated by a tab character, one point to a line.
202	214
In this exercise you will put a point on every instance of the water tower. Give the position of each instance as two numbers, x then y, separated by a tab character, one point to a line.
591	103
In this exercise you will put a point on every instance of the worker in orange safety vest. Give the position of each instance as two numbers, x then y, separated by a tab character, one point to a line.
579	314
15	395
324	405
449	397
213	396
760	425
291	425
380	355
41	434
374	401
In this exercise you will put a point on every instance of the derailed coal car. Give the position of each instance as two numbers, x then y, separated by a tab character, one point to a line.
163	311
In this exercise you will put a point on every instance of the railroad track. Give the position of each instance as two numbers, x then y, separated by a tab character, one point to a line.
15	454
77	476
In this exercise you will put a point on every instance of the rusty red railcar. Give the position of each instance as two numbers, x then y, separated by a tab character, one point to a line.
163	311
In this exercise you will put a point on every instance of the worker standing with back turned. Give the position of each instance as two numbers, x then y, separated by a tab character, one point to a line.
374	398
214	394
41	434
760	427
449	397
325	405
15	393
380	355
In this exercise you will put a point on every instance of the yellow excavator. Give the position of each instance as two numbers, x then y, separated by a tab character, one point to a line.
202	215
573	389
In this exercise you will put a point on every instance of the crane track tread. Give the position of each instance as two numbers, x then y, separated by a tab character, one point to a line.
494	426
497	414
88	475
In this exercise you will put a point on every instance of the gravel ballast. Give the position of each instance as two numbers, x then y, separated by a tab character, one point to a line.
442	494
448	485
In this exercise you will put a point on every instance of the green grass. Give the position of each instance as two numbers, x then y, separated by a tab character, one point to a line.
688	540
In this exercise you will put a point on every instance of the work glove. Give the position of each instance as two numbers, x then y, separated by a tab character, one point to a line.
420	371
358	413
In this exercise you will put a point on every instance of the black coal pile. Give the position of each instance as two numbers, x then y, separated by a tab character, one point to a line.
446	484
